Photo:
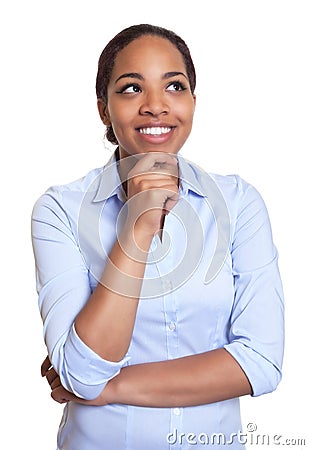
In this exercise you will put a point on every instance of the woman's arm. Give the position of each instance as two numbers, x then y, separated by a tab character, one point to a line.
87	334
192	380
106	322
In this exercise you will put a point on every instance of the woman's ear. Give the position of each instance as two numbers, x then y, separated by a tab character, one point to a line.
194	99
103	111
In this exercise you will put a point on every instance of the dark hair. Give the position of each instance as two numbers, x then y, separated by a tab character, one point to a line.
120	41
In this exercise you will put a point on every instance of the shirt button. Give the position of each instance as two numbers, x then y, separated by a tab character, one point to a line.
177	411
172	326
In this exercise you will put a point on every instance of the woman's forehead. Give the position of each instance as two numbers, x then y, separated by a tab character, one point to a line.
149	53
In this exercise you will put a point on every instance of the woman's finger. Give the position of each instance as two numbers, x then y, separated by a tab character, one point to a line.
155	162
55	383
60	395
45	366
51	375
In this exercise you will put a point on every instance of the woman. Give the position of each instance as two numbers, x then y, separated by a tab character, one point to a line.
158	283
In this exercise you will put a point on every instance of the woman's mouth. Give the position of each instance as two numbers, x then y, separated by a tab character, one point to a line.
156	135
155	131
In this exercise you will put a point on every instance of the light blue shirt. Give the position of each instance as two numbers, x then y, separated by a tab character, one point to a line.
212	282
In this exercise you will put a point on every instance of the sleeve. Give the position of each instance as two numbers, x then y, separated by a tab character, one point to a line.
63	288
256	338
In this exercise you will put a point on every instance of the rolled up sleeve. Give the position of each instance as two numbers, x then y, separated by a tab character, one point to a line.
256	336
83	370
64	288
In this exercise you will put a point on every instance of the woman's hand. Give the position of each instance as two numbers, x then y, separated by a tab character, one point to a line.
61	395
152	188
58	393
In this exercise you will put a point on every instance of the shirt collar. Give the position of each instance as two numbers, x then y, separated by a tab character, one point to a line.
109	183
190	175
192	178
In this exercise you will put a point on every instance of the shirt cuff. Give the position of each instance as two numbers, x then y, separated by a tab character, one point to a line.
263	375
84	372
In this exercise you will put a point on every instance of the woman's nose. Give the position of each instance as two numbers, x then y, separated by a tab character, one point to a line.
154	104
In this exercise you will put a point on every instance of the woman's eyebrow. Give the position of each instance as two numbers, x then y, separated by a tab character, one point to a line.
173	74
130	75
140	77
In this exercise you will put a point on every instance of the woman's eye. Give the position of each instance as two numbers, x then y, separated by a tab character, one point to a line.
130	89
176	86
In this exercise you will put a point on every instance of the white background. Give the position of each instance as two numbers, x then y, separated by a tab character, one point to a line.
252	119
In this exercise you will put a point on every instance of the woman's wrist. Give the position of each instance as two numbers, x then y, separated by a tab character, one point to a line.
135	240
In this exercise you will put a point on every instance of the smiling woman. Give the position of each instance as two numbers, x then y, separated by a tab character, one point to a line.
151	105
140	342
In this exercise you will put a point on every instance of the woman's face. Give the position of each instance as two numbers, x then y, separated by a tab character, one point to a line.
150	105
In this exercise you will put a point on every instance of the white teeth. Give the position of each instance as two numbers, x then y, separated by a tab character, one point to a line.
155	130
